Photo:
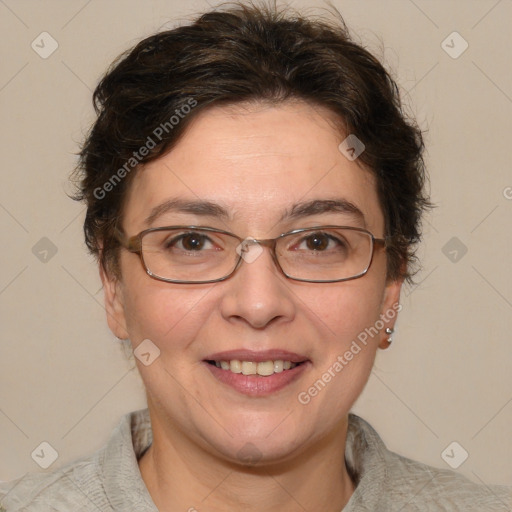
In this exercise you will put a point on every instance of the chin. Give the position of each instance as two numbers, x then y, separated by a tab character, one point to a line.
258	452
255	444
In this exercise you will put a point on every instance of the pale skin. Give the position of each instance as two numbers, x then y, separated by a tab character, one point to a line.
256	162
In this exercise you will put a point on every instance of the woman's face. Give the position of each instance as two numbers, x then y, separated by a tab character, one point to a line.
257	164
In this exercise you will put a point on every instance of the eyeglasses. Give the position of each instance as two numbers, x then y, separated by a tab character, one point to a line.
199	254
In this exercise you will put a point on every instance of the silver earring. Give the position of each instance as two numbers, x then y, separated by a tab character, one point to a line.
389	332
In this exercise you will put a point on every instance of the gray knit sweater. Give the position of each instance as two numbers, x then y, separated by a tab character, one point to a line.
110	479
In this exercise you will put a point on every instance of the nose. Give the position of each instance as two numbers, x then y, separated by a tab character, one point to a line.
258	293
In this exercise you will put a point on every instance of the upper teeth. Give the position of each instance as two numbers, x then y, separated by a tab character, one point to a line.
264	368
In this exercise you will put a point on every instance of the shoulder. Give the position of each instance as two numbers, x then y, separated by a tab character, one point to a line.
402	482
419	485
73	487
107	480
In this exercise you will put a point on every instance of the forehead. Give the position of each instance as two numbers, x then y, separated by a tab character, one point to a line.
256	162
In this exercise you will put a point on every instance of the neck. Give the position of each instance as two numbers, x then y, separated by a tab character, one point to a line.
181	476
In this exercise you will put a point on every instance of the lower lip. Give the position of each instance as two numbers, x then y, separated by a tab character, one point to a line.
256	385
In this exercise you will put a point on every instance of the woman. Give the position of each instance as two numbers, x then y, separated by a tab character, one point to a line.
253	195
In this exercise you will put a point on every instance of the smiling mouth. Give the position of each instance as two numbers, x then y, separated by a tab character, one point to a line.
261	369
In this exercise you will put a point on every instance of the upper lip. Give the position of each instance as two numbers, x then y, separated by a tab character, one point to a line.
257	357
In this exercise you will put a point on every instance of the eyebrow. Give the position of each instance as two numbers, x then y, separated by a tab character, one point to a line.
296	211
319	206
202	208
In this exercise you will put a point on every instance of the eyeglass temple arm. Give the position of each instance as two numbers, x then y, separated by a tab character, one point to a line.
131	244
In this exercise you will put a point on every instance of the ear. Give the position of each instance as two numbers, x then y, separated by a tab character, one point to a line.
389	309
114	304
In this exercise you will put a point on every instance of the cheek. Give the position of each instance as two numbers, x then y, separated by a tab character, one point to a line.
343	316
168	316
154	309
345	309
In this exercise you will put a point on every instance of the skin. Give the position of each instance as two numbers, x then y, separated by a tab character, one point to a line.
256	161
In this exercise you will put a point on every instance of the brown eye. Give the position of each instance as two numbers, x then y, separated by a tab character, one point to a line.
188	242
317	242
193	241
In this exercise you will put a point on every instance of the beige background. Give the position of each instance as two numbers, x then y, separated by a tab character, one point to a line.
63	377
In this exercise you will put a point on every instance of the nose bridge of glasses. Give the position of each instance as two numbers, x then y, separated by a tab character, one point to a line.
251	248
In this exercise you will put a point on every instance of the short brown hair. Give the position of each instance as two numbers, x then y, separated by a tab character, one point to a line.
248	53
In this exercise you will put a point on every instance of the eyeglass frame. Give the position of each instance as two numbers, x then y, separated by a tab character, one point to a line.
134	245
